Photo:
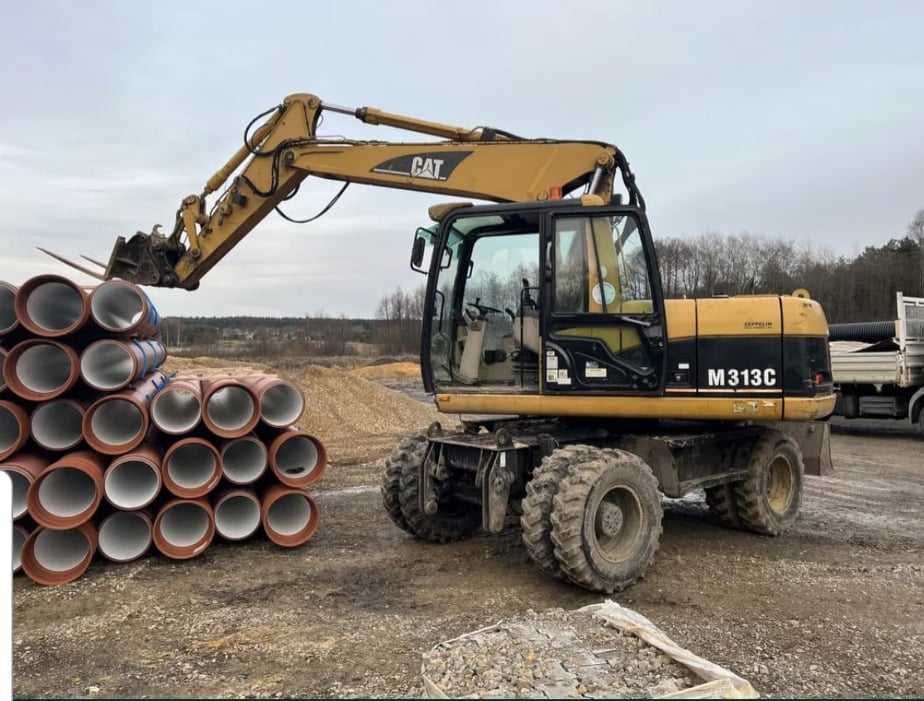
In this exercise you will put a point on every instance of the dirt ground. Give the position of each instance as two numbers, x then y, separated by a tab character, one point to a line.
833	608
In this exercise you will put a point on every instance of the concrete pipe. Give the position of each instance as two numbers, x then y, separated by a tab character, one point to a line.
133	480
289	516
237	514
297	459
8	320
281	404
51	306
20	535
109	364
177	408
123	308
230	408
52	557
3	354
67	492
191	468
23	469
40	370
118	423
184	528
243	460
14	428
125	535
57	425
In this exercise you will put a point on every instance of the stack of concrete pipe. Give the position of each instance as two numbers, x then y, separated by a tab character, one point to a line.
108	454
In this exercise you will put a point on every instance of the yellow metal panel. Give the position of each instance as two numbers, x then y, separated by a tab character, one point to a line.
809	408
739	316
803	317
681	318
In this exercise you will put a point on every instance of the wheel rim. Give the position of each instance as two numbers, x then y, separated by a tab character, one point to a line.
617	523
779	484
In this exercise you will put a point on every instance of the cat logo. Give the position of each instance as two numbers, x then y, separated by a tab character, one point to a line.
433	165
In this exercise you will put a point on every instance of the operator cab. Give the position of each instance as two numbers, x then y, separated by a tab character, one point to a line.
543	298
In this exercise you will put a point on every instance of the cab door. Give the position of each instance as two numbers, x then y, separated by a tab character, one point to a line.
603	312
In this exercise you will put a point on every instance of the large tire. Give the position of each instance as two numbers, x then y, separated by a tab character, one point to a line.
721	503
606	520
410	451
535	521
453	521
768	501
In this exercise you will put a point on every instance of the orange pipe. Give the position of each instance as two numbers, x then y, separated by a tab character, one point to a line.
32	564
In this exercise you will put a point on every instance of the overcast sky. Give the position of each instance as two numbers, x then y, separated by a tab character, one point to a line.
801	120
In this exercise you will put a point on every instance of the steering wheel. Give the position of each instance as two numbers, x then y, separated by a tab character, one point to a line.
483	308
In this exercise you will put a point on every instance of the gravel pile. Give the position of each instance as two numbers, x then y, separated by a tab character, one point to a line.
554	654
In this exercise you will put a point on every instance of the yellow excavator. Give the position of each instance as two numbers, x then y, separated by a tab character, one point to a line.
584	394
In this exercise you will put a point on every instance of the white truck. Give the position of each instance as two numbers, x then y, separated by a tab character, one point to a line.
878	366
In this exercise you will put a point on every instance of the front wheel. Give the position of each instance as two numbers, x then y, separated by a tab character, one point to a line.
768	501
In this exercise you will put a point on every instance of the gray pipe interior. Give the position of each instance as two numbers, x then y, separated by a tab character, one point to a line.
56	425
244	460
230	408
184	524
20	488
124	536
297	456
66	492
237	517
107	365
289	514
281	405
176	410
131	484
9	429
117	422
116	307
7	308
19	539
43	367
191	465
60	551
54	306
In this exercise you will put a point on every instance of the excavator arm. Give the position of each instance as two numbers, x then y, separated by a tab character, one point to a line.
481	163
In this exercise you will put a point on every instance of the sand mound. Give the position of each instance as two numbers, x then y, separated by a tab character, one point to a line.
401	371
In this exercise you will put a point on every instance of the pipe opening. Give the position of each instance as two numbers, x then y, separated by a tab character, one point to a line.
132	484
66	492
19	539
191	465
244	460
3	355
43	368
117	422
124	536
237	517
56	425
60	551
7	308
116	307
107	365
20	489
184	524
230	408
10	430
54	306
297	456
176	410
289	514
281	405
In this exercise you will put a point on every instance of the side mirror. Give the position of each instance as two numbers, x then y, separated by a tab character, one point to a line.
419	247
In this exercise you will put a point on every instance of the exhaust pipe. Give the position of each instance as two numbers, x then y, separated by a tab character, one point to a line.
40	370
123	308
52	557
14	428
243	460
8	320
125	535
230	408
51	306
109	365
191	468
297	459
23	470
57	425
177	408
20	534
281	404
289	516
133	480
237	514
67	492
184	528
118	423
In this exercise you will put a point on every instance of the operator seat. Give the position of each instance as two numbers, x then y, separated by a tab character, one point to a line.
526	322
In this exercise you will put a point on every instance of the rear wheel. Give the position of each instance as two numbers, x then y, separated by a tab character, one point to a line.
410	451
721	503
606	520
768	501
